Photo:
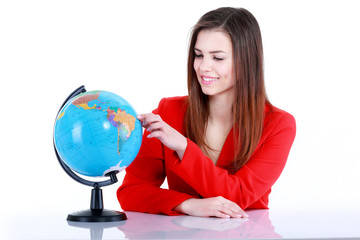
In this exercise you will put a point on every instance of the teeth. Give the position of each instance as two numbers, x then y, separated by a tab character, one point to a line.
209	79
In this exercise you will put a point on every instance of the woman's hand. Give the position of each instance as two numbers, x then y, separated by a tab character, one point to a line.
211	207
162	131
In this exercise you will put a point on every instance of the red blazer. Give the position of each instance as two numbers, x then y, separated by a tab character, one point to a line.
196	175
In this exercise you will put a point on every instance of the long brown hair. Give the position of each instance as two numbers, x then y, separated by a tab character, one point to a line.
250	97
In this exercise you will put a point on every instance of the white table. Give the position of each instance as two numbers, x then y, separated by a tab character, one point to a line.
261	224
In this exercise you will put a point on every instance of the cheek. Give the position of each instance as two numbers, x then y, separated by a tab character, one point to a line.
229	71
232	74
226	71
196	65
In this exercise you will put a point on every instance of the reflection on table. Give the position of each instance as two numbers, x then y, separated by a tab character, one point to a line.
152	226
289	224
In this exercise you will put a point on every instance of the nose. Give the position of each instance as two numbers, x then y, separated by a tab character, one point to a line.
205	65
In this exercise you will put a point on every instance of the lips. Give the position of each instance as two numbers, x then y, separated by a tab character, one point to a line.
207	80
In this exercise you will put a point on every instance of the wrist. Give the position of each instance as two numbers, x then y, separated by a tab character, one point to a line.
182	207
182	148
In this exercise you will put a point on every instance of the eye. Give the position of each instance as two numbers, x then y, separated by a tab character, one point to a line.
198	55
218	59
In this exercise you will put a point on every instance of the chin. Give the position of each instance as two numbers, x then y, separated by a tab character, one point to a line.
208	93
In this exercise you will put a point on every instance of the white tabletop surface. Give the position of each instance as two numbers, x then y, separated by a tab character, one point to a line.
262	224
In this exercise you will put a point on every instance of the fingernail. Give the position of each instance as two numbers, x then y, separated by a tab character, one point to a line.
242	215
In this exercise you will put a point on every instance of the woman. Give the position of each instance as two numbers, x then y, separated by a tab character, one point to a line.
224	145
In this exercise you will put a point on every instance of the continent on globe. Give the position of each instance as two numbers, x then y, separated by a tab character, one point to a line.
119	118
84	100
60	115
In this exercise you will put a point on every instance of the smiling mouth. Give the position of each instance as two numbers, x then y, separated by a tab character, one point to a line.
208	80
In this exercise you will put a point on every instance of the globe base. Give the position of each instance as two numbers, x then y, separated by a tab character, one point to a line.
97	216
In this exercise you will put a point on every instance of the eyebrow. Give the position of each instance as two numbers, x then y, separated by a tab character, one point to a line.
212	52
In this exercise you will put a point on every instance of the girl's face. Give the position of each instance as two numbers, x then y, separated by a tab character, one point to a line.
213	63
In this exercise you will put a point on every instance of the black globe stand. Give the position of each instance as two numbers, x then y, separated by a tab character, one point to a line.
96	213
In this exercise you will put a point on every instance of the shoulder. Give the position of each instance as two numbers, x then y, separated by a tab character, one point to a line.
172	110
173	102
277	119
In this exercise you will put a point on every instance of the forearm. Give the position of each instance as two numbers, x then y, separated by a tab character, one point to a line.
150	199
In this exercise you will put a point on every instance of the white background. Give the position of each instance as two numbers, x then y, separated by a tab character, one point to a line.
138	49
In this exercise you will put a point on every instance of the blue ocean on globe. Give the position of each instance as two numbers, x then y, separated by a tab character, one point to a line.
97	132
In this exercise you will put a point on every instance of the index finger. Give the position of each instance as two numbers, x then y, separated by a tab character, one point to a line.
147	118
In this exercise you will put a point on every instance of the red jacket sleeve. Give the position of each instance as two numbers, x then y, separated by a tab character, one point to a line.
140	190
249	184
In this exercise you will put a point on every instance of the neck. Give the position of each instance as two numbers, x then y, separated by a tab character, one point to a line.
220	109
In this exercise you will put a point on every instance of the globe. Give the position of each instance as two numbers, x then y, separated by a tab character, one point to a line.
97	132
